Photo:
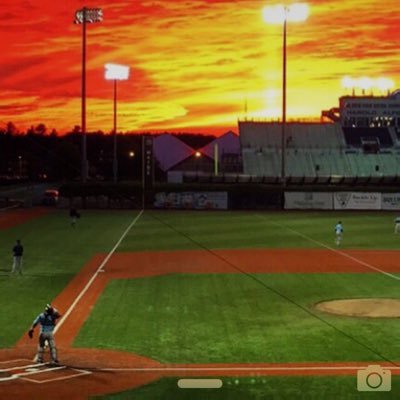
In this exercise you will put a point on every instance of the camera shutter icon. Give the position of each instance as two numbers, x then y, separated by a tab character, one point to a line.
374	378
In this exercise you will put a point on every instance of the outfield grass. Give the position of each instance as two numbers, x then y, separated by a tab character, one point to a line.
186	229
210	318
233	318
54	253
262	388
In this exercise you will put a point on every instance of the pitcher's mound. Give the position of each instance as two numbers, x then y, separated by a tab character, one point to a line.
371	308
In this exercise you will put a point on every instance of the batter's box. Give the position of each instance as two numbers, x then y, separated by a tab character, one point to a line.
18	362
55	375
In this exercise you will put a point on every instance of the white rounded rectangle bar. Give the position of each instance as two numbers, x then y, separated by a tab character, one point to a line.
200	383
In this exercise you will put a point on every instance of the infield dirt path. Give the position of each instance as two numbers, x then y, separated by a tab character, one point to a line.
11	218
136	265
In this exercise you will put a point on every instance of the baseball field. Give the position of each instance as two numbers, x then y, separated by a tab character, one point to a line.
149	298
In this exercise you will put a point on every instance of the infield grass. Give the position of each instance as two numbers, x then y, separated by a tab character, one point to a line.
231	318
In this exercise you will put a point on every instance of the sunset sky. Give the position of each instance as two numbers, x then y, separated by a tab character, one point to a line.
194	63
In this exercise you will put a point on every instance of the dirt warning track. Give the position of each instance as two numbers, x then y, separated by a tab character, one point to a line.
10	218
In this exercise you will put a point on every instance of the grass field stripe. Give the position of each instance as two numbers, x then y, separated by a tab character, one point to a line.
91	280
363	263
271	289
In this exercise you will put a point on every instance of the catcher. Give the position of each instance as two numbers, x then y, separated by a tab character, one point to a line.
47	321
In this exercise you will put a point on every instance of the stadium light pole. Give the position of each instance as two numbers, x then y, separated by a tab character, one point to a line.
115	72
281	14
82	17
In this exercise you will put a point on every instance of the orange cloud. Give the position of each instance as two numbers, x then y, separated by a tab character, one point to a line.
195	63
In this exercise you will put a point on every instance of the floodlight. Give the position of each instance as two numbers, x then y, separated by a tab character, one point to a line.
296	12
84	16
348	82
365	83
92	15
280	14
384	83
274	14
116	72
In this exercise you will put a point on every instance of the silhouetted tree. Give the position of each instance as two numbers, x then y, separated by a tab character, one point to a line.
11	129
40	129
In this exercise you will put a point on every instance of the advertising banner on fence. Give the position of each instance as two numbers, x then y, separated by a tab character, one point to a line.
390	201
357	200
192	200
308	200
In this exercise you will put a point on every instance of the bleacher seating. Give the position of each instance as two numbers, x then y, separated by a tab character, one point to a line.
354	136
317	151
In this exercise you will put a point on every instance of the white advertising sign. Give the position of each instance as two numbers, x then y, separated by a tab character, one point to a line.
390	201
357	200
308	200
192	200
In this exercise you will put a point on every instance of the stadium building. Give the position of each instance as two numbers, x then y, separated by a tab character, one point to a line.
360	141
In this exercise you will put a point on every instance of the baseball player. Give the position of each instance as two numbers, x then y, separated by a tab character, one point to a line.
47	321
18	251
74	215
339	233
397	225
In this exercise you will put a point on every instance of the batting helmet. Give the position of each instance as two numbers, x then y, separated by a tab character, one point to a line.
49	309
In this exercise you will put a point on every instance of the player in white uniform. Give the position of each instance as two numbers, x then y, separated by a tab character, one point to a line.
338	233
397	225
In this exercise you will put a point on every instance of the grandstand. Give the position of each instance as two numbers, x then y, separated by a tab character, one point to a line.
353	146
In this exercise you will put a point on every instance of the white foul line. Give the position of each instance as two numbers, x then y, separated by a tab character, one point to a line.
22	367
338	252
61	378
100	269
238	369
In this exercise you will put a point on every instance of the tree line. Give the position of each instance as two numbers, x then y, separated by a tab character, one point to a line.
42	154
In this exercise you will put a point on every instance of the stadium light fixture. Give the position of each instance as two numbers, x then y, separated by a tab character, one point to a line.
384	84
115	72
365	83
278	14
282	14
82	17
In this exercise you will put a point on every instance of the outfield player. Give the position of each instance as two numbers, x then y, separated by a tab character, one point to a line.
18	251
338	233
74	216
47	321
397	225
